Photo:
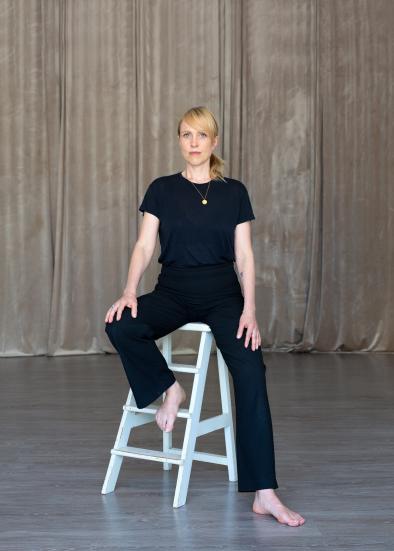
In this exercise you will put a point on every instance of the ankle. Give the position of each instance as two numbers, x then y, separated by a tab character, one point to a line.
265	492
175	388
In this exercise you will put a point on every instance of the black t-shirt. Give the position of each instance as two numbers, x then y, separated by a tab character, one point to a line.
193	234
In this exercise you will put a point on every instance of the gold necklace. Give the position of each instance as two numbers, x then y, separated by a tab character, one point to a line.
204	199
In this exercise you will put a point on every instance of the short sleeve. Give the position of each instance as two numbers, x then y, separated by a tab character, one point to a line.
245	207
151	200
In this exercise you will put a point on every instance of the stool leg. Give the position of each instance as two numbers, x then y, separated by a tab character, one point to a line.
226	408
191	432
167	436
167	445
115	463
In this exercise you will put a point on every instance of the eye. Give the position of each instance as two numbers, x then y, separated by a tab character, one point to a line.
201	134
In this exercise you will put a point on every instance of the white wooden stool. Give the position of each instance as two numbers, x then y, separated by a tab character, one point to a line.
134	417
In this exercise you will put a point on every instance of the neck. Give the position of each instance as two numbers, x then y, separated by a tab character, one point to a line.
199	174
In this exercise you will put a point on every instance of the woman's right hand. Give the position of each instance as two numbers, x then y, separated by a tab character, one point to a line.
129	300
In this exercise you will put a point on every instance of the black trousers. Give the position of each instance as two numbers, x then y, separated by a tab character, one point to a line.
210	294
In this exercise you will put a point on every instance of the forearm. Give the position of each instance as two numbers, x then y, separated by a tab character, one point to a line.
139	261
246	270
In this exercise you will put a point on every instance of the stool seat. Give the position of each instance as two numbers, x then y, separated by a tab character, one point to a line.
183	457
195	326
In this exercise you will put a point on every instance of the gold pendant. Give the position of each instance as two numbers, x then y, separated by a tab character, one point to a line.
204	201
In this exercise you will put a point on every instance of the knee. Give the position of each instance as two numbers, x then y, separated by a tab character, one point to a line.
249	379
128	327
245	364
252	371
111	328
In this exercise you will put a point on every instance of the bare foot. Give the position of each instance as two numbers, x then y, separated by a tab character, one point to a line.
267	502
167	412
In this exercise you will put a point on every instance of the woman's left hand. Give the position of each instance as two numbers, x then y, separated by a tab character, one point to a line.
248	320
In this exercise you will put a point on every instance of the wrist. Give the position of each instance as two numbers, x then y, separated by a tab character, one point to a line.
128	292
249	307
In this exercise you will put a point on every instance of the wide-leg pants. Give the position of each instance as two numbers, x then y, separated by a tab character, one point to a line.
210	294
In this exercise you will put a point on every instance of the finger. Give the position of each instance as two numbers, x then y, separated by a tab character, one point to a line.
119	314
107	315
248	336
240	329
134	311
254	341
252	338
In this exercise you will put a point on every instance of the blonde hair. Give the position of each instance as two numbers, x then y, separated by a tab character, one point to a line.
202	118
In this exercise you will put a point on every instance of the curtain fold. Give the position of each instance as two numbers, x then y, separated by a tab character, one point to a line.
95	185
355	279
91	93
29	131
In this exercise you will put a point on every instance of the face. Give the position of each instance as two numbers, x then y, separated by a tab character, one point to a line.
192	140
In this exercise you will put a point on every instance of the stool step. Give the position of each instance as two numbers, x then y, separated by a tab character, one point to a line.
182	412
152	455
207	457
171	456
183	368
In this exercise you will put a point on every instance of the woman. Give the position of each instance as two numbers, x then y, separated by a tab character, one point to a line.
203	220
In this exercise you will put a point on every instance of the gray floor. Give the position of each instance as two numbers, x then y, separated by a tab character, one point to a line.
333	426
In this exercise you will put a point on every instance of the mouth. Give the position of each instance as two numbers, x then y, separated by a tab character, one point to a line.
195	152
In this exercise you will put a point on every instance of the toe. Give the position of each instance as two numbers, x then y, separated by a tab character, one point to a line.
167	425
160	421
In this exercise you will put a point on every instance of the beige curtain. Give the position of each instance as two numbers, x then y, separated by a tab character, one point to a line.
91	92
